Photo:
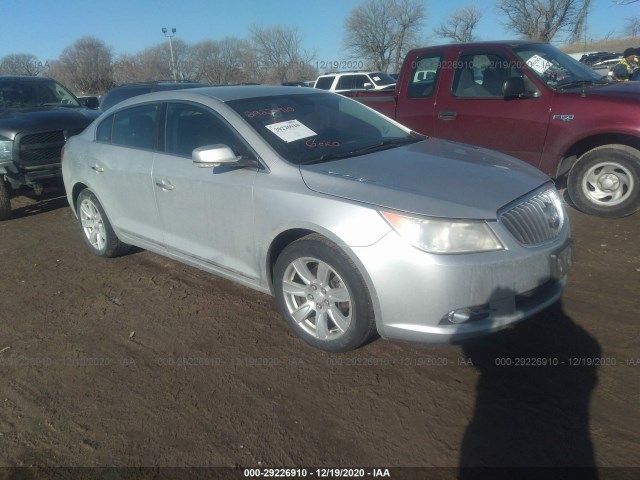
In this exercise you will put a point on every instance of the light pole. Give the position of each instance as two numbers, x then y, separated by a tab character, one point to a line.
170	36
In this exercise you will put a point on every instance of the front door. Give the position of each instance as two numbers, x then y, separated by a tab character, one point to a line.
206	213
475	111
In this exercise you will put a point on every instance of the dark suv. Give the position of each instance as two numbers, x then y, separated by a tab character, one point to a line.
37	115
123	92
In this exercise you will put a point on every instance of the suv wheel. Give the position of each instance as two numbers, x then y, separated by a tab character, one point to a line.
605	181
5	200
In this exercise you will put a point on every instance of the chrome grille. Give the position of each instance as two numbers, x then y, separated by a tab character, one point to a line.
535	220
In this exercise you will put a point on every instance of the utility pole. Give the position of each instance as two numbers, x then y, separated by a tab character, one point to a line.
170	36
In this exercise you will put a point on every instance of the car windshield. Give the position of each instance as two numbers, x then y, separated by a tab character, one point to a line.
310	128
381	78
554	67
27	93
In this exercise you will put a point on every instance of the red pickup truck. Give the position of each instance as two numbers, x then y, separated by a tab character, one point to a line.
529	100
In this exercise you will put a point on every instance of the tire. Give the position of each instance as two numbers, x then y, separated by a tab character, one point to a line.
5	200
303	296
605	181
96	229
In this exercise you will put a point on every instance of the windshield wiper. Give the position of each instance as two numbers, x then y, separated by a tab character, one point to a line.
383	145
575	83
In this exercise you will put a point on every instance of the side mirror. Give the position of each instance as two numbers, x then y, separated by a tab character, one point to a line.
211	156
513	88
90	102
367	86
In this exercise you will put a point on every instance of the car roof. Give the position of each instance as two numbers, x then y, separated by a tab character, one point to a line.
488	44
224	93
25	78
161	84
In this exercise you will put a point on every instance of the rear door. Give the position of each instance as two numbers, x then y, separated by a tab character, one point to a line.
121	162
473	110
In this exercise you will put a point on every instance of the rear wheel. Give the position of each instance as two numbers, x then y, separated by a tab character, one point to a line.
322	295
97	231
5	200
605	181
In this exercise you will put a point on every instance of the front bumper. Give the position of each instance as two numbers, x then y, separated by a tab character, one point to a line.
414	293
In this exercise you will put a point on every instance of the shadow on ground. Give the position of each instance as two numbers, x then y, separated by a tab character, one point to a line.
532	401
28	204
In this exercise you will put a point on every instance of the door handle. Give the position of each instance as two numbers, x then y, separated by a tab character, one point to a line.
165	185
447	114
97	168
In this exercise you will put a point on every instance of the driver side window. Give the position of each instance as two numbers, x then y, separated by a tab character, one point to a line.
189	127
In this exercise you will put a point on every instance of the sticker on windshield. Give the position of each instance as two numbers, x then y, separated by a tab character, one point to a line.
291	130
377	79
539	64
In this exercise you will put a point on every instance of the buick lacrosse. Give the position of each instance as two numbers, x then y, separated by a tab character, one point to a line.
353	222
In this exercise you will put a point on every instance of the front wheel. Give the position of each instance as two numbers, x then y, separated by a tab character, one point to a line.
97	231
322	295
605	181
5	200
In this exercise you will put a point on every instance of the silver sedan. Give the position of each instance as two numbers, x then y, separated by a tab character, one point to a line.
353	222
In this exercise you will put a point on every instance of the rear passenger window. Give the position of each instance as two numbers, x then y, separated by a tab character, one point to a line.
103	132
360	80
325	82
346	82
424	75
135	127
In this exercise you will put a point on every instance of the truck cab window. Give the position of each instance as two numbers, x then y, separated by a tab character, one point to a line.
423	76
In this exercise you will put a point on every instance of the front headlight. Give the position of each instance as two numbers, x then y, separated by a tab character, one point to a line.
444	236
6	149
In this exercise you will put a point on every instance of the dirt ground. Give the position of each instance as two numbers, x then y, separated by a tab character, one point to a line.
141	361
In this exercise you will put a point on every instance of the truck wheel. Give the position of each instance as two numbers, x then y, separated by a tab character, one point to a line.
97	231
605	181
322	295
5	200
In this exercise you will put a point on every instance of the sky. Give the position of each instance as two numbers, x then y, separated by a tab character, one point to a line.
45	28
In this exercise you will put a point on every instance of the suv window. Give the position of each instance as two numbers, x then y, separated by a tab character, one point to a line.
325	82
359	81
131	127
346	82
381	78
118	95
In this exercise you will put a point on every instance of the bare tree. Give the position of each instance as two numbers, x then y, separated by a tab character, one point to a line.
143	66
544	19
408	16
85	66
221	62
21	64
632	27
279	52
460	25
381	31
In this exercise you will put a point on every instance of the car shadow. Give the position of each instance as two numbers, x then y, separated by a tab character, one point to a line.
532	401
26	205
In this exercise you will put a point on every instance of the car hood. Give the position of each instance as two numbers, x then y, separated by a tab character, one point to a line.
432	177
13	121
626	90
